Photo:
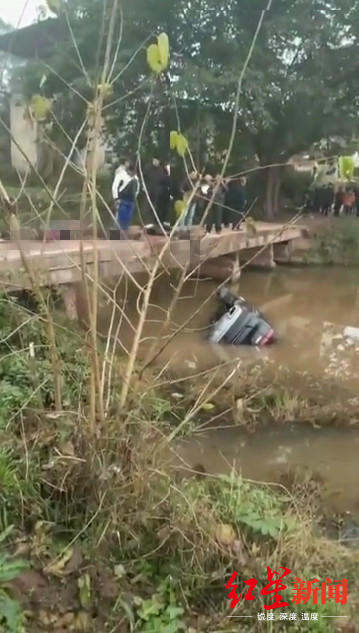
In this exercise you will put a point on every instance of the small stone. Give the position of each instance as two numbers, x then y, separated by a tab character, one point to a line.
177	396
120	571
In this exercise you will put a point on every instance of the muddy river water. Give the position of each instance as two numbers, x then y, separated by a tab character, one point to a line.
310	309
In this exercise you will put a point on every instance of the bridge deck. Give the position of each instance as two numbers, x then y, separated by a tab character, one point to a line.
59	262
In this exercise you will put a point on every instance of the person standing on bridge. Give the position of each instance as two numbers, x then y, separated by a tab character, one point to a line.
189	188
164	194
154	177
215	196
125	190
121	176
235	202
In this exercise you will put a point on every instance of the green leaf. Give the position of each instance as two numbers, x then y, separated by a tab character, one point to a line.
346	167
182	145
154	59
164	49
40	107
11	612
174	612
173	139
6	533
9	570
180	206
84	584
151	607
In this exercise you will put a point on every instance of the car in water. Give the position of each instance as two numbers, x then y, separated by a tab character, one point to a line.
239	323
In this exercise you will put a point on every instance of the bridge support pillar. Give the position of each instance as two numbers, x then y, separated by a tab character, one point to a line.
259	257
75	302
220	269
69	297
283	252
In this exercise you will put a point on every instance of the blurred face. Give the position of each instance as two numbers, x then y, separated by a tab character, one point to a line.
208	179
243	181
193	175
155	162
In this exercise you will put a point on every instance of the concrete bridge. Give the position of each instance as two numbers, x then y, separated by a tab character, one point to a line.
59	263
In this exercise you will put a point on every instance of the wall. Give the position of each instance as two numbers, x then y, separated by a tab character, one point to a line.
24	132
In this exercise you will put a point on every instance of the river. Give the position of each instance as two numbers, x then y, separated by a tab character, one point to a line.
309	308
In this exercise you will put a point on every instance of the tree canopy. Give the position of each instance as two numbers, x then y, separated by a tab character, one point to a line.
301	84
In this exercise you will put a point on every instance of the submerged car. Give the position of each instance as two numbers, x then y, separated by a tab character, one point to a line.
239	323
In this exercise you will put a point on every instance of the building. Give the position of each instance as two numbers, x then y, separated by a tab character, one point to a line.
36	42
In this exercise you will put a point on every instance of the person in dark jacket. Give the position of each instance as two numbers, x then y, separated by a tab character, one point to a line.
164	194
328	199
235	202
215	214
153	177
338	201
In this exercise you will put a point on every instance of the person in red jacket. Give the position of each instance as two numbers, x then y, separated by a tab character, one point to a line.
349	201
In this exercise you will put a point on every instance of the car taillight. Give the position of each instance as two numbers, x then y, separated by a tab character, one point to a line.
268	338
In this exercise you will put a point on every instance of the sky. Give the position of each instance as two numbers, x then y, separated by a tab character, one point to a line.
19	12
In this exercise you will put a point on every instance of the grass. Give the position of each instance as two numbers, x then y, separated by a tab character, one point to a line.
335	241
126	542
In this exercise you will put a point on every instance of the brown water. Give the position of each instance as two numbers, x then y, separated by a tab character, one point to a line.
309	309
267	455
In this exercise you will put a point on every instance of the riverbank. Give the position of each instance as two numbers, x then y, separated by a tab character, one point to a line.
326	241
101	532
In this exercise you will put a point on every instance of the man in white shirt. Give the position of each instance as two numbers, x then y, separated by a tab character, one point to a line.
121	174
125	189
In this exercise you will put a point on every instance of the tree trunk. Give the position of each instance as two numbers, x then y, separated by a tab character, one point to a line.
269	192
276	191
273	185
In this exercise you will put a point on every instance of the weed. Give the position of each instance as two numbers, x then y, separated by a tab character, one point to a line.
252	506
24	374
8	481
12	618
160	613
321	625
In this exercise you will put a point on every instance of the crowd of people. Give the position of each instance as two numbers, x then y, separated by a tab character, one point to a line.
328	200
165	196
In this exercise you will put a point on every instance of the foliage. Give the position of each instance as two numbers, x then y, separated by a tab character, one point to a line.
284	108
11	614
238	502
336	243
179	143
158	54
12	617
317	626
8	480
161	613
346	167
40	107
25	381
